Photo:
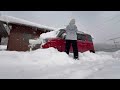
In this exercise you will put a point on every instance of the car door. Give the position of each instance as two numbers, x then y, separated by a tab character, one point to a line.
59	43
61	40
89	43
81	41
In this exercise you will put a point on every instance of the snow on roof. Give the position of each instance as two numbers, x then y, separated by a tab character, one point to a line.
10	19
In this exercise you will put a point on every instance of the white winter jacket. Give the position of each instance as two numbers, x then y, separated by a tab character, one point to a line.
71	31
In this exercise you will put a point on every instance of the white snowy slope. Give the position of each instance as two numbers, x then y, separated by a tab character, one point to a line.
51	64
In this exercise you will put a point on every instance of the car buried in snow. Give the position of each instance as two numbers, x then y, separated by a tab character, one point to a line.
84	41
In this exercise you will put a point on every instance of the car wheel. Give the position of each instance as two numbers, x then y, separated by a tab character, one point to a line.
92	51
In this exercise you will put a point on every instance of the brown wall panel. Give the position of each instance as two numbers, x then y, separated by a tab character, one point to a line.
19	37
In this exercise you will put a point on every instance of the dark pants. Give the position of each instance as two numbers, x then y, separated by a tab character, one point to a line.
74	45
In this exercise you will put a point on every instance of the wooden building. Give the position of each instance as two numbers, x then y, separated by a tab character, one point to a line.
20	31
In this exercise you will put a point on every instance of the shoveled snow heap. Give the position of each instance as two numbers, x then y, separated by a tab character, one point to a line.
51	34
43	36
50	63
48	57
3	47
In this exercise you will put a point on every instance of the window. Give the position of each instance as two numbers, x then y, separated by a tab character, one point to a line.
89	38
27	36
61	34
81	37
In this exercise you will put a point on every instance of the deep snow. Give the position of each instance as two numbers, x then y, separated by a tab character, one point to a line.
40	40
52	64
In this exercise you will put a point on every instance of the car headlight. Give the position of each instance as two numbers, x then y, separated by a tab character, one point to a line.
45	41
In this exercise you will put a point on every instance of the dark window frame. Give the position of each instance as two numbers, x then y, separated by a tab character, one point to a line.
61	34
82	38
89	38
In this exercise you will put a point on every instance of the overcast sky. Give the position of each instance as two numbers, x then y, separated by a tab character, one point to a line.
102	25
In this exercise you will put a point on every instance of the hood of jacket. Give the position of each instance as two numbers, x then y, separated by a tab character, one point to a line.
72	22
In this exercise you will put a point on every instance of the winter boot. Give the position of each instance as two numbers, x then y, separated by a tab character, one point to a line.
76	58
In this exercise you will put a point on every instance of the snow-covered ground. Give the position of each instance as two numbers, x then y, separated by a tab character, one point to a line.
51	64
3	47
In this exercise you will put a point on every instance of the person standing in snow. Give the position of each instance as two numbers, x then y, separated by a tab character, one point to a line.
71	38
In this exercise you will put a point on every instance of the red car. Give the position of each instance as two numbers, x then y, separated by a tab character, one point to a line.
84	42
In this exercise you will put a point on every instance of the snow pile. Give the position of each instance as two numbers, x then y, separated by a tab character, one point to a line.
41	39
35	41
44	57
50	57
3	47
51	34
50	63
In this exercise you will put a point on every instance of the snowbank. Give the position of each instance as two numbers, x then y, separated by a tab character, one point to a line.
43	36
50	57
50	63
51	34
41	39
3	47
44	57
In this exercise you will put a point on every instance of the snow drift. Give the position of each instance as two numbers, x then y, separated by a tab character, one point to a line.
50	63
52	57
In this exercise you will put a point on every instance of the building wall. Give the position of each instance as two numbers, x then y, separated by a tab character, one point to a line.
19	37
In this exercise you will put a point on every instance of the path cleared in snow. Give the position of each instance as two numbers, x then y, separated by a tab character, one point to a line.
51	64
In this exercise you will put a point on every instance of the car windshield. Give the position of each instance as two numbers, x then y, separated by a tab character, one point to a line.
61	34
